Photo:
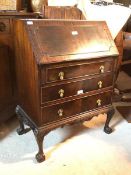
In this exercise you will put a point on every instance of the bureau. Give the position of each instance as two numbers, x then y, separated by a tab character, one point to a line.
65	74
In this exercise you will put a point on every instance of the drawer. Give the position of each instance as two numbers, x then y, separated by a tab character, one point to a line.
4	26
74	71
74	107
76	87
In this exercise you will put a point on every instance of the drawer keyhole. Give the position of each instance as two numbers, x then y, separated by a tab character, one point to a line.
61	93
102	69
61	75
60	112
100	83
98	102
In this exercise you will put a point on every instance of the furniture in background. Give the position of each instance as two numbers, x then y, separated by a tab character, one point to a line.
125	94
127	48
65	74
119	44
124	63
63	12
8	89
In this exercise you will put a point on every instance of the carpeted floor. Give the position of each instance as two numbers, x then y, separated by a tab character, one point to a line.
81	149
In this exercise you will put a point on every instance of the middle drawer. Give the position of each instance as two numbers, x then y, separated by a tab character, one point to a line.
55	92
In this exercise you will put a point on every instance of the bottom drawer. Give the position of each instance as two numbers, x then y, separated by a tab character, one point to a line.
74	107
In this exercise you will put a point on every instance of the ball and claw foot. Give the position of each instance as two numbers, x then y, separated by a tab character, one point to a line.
40	157
108	130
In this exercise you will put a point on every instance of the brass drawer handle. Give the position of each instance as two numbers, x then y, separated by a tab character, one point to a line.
100	83
61	75
2	27
102	69
99	102
60	112
61	93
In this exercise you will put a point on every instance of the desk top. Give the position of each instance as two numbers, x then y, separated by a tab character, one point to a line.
66	40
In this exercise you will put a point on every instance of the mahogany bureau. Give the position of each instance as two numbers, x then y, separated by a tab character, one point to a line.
65	74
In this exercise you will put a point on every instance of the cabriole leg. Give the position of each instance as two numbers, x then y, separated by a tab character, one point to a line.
40	157
110	114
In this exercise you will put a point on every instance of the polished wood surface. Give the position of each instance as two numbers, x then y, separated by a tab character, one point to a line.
8	91
76	69
7	97
73	88
7	76
57	84
48	51
125	111
63	12
51	113
27	74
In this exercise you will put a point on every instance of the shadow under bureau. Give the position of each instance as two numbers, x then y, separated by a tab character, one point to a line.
65	74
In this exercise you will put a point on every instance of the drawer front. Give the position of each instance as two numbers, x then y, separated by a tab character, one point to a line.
74	107
74	71
4	26
76	88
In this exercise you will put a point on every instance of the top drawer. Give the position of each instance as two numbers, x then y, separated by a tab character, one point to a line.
61	72
4	26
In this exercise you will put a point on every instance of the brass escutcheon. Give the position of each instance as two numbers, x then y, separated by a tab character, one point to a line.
100	84
98	102
61	93
61	75
102	69
60	112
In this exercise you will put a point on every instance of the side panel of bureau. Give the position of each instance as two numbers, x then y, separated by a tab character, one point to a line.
27	74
